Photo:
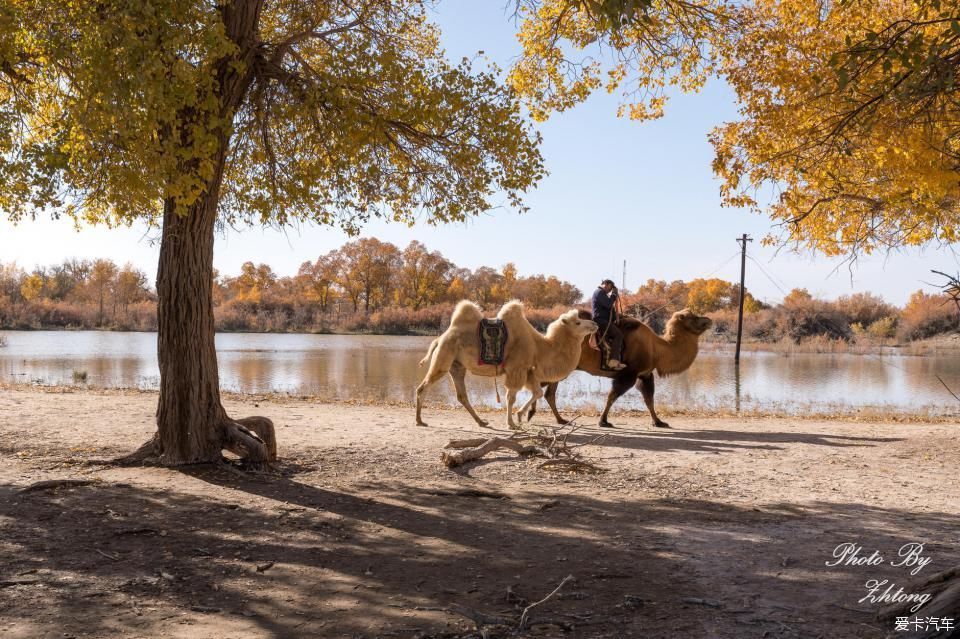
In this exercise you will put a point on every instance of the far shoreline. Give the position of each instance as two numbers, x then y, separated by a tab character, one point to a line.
943	344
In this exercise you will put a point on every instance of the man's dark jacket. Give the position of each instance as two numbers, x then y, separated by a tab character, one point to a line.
603	304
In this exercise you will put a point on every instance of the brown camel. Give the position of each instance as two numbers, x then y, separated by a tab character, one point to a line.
644	352
532	361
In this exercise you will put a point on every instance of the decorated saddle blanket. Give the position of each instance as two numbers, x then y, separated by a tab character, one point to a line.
493	341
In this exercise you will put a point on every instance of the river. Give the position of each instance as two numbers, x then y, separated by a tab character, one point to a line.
384	368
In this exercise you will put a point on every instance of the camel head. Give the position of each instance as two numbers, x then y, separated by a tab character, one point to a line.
573	323
689	322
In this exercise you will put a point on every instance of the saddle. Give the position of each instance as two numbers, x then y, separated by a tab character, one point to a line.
493	341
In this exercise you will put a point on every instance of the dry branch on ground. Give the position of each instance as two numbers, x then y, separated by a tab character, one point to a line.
551	443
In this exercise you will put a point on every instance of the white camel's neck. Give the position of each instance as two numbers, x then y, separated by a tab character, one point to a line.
563	349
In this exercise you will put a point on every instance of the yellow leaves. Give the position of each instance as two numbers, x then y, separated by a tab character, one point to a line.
566	48
125	109
857	167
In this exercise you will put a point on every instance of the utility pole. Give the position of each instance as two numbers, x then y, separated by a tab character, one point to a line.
623	280
742	241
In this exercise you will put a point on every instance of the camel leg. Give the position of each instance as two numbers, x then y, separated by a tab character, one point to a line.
511	400
533	409
459	375
619	386
533	386
646	386
439	366
551	396
514	382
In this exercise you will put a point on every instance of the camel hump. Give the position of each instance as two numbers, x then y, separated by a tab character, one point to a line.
466	311
628	323
512	310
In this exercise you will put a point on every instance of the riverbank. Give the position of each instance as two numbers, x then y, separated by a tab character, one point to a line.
839	412
718	527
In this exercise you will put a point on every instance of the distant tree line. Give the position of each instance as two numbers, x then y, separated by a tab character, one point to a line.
372	286
365	285
76	294
799	316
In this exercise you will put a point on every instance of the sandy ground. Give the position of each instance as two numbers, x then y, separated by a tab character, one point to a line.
716	528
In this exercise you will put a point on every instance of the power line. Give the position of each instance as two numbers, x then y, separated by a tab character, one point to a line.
722	264
769	277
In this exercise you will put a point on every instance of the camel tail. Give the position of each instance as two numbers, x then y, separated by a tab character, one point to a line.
433	347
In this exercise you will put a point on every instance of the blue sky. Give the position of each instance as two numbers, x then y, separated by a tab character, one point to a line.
617	190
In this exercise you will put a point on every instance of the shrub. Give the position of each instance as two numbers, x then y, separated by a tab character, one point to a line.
883	328
802	316
928	315
864	308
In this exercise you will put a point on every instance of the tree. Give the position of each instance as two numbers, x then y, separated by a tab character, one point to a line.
848	109
32	287
191	114
318	278
483	284
103	275
366	270
849	113
252	282
797	297
424	276
708	295
131	286
651	46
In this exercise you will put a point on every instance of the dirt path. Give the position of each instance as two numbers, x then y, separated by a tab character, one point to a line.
716	528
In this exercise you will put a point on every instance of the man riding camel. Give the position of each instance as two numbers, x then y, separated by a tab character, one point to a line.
605	315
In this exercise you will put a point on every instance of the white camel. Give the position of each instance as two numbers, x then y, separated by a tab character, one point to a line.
532	359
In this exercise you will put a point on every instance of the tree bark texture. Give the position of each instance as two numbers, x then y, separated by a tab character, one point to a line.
192	425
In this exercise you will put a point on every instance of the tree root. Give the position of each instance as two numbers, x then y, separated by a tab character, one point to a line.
253	439
145	455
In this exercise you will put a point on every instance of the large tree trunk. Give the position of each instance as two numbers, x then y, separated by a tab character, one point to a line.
190	418
192	425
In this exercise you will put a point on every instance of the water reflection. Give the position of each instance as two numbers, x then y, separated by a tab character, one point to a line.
385	369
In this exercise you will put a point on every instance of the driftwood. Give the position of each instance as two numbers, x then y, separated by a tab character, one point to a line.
551	443
488	446
945	603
